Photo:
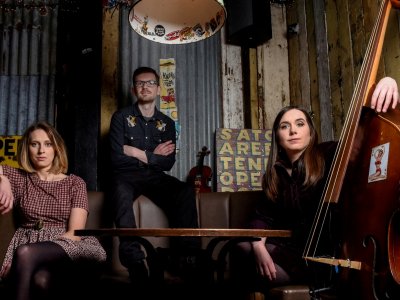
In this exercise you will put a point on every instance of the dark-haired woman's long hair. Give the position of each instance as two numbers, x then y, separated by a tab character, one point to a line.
311	163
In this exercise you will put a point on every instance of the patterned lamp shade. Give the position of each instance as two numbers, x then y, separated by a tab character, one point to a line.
177	21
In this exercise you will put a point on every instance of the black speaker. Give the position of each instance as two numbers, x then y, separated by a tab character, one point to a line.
248	22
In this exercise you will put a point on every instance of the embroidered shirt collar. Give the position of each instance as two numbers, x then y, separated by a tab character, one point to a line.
137	113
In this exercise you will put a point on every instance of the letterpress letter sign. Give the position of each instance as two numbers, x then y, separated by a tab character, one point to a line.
242	156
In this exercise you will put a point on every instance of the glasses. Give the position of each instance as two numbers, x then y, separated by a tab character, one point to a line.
148	83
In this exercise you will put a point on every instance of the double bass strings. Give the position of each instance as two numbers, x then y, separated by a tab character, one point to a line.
343	152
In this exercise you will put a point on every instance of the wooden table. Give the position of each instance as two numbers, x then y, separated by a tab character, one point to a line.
170	232
231	235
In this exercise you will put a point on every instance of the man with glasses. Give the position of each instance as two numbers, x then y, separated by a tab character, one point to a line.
142	143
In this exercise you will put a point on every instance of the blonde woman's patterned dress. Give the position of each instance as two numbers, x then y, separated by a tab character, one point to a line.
43	209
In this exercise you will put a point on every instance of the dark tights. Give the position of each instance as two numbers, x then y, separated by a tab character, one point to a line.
34	270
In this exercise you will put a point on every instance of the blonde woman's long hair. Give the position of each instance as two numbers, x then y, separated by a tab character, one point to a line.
60	162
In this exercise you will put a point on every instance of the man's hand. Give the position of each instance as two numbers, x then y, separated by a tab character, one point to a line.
165	148
386	94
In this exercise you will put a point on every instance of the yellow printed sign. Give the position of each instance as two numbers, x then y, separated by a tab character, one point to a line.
242	156
8	150
167	94
167	84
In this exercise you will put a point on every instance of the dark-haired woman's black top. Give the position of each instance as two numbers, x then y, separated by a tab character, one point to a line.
295	207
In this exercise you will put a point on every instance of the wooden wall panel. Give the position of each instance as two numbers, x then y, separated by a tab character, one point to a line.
312	63
338	33
109	68
305	100
371	11
232	85
318	67
293	42
346	79
391	46
254	99
333	18
109	84
357	33
273	68
340	61
322	59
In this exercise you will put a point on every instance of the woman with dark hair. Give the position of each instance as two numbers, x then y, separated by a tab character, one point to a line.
294	180
44	256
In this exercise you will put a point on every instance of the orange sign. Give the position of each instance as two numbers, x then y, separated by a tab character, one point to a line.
8	150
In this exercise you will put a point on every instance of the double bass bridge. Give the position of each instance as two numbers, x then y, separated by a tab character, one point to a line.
344	263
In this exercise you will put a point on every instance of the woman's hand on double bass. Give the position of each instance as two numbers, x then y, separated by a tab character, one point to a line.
386	94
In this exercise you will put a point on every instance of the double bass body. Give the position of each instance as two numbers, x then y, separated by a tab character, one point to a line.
364	182
370	206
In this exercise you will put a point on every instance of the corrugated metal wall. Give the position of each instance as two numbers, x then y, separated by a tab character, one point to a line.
27	66
198	88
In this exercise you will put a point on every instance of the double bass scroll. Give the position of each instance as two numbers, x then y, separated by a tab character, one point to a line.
364	182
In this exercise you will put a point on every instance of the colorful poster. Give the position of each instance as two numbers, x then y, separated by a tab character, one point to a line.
242	156
167	94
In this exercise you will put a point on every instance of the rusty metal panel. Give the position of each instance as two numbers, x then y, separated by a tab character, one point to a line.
27	65
198	87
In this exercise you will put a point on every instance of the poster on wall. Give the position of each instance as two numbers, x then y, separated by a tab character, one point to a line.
8	150
167	94
242	156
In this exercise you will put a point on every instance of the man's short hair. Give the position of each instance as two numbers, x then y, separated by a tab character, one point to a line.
142	70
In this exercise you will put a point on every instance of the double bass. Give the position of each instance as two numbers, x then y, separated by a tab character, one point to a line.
364	183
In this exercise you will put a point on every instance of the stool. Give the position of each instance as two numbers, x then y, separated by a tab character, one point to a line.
289	292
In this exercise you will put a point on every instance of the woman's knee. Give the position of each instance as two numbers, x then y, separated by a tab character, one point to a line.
42	280
244	248
22	254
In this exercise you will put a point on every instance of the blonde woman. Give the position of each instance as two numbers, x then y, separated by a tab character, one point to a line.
49	205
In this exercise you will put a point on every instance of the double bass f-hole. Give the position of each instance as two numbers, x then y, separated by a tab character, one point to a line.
367	260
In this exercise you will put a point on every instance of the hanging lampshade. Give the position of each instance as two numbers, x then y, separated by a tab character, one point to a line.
177	21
